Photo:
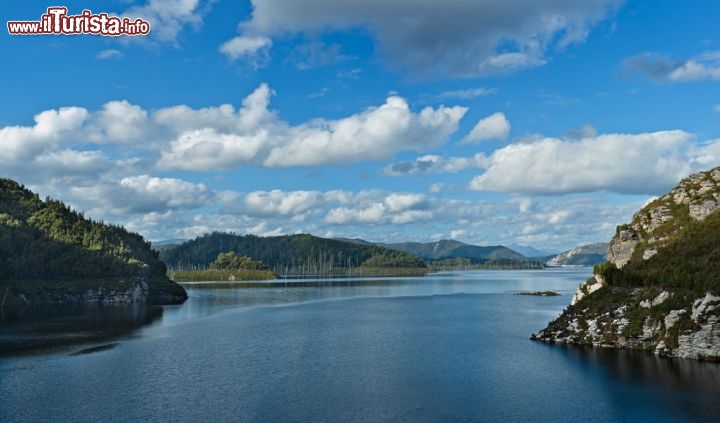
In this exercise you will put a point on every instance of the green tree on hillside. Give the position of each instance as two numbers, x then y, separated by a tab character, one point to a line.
231	261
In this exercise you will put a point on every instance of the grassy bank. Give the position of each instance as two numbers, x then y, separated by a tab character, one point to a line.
222	275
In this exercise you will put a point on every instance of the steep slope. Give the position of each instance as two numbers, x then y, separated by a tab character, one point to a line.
50	254
445	249
660	289
585	255
664	219
294	254
529	251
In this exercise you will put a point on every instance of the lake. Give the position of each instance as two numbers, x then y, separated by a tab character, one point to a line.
441	348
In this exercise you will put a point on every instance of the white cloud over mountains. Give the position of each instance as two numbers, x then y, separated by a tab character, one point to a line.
455	37
584	161
647	163
149	169
385	216
143	194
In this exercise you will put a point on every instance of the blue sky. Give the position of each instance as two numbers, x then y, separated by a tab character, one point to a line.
491	122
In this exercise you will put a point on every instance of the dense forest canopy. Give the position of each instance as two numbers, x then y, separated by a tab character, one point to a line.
47	241
451	249
288	254
231	261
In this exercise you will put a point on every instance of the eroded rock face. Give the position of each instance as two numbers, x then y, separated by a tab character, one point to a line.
590	286
133	294
652	226
682	333
661	298
622	246
664	320
703	344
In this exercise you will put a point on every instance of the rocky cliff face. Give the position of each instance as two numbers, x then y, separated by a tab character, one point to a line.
131	291
660	289
121	293
695	198
687	332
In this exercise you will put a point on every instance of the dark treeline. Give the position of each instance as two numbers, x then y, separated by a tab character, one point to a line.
463	263
232	261
289	254
47	241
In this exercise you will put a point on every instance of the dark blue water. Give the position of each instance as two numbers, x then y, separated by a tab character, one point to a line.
442	348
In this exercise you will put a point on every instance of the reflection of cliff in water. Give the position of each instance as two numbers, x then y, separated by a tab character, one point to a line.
664	376
40	329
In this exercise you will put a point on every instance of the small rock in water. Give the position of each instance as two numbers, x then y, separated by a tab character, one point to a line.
95	349
539	293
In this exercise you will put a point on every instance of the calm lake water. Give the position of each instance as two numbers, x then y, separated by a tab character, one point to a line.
442	348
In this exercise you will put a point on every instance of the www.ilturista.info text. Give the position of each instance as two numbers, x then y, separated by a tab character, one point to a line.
57	21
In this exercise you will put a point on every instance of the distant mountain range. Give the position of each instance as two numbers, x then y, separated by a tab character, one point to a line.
446	249
449	248
585	255
168	242
528	251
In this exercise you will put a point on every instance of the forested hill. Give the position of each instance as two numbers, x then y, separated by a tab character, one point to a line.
448	249
290	254
51	254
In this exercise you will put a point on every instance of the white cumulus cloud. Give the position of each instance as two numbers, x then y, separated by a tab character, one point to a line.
224	138
52	129
254	48
281	203
495	126
644	163
143	194
374	134
121	121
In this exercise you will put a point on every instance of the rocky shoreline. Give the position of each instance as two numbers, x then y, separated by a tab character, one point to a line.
692	332
628	304
122	292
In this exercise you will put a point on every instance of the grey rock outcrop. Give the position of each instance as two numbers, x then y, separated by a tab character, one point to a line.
699	192
658	306
592	285
133	293
679	333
